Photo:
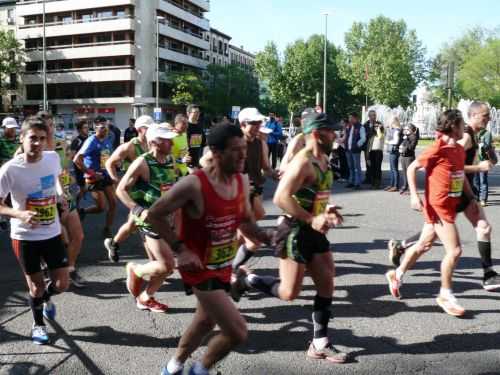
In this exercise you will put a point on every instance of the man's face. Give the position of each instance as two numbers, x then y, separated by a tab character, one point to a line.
481	117
84	130
372	116
232	159
101	130
163	145
9	133
251	128
181	125
325	138
353	120
131	124
194	115
34	142
142	130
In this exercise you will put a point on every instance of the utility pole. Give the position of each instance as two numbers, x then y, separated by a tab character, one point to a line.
158	19
449	81
324	61
44	61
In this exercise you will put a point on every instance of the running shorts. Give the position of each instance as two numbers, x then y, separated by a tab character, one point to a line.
208	286
31	253
298	241
100	185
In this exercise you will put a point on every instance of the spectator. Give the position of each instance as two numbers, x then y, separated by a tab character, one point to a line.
375	151
355	140
273	139
114	133
131	131
195	135
485	142
407	152
370	126
393	142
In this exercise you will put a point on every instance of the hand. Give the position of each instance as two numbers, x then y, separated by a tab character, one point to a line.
28	217
320	223
275	174
333	215
416	202
188	261
187	159
485	166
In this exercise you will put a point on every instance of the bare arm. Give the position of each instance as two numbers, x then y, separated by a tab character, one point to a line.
295	145
138	169
411	175
116	158
78	160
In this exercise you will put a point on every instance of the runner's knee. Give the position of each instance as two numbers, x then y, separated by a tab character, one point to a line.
483	228
61	284
290	294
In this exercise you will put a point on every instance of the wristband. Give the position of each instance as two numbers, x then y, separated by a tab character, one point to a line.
137	210
176	245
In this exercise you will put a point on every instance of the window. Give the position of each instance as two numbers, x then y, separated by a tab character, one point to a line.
34	92
84	39
67	18
119	36
103	38
66	91
13	99
105	62
33	66
120	13
104	13
13	81
65	64
84	91
64	41
87	17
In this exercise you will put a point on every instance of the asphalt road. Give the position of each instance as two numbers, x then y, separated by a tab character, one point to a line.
99	331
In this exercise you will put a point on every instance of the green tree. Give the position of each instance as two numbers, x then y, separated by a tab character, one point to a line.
384	60
11	57
188	88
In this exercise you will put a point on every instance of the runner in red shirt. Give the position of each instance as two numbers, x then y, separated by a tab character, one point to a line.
214	203
444	183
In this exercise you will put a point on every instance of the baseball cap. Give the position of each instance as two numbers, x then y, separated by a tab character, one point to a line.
143	121
307	111
265	130
318	121
162	132
9	122
249	115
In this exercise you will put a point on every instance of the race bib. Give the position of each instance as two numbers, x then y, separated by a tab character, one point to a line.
195	140
320	202
45	208
221	256
456	184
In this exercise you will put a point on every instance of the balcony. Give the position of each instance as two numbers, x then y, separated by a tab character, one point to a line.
81	51
26	8
174	10
94	25
203	4
93	74
182	58
183	35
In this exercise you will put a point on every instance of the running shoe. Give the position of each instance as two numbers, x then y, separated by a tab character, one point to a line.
395	251
134	282
76	280
328	353
152	305
491	281
450	305
49	310
164	371
483	203
113	250
394	283
39	335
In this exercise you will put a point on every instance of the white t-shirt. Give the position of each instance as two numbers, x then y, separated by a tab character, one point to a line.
34	187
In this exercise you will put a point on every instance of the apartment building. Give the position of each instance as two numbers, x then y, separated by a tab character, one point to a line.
101	54
8	23
218	52
238	55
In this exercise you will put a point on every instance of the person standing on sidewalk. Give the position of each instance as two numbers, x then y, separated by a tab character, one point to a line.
355	136
273	139
485	150
407	152
393	142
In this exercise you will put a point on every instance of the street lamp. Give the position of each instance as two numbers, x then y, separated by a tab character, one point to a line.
324	61
158	19
44	60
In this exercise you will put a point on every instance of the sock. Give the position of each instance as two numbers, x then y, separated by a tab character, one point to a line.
445	293
50	291
174	365
321	316
399	274
266	284
198	369
321	343
36	304
144	296
484	248
241	257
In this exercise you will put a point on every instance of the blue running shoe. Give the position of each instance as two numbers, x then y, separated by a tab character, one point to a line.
164	371
49	310
39	335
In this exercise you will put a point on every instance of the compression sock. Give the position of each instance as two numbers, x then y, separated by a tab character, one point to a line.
321	316
242	256
484	248
266	284
36	304
50	291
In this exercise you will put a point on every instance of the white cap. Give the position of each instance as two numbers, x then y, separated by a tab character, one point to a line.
155	132
265	130
9	122
144	121
249	115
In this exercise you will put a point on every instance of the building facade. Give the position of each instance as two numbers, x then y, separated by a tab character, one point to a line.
101	54
238	55
10	84
218	52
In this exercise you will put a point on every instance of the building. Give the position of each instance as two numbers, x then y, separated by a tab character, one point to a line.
241	57
218	52
8	22
101	54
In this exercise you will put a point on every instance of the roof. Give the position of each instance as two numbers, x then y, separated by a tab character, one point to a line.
241	50
215	31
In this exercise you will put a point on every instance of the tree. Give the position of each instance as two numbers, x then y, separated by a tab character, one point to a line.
384	60
188	88
295	78
11	57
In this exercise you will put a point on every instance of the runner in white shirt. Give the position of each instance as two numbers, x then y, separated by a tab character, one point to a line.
32	180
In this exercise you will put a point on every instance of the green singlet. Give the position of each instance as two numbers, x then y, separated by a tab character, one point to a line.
180	148
8	148
138	152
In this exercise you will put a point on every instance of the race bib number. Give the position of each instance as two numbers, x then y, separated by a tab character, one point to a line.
45	209
105	154
456	184
320	202
195	140
221	256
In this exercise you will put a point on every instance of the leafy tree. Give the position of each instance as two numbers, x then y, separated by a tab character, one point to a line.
384	60
11	57
188	88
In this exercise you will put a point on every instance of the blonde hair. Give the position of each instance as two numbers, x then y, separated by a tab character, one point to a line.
395	123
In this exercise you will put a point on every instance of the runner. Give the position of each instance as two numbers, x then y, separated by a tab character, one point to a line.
82	128
303	194
180	149
195	136
31	178
445	183
215	202
126	154
149	177
479	116
91	159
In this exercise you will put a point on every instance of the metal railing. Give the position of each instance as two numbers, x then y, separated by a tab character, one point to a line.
74	21
91	68
81	45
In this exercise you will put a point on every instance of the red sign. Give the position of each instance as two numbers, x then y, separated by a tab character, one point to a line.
106	110
81	110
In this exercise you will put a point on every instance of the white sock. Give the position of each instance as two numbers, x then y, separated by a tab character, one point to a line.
198	369
446	293
174	365
399	274
144	296
321	342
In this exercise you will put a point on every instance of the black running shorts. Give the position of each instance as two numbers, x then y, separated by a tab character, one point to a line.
31	253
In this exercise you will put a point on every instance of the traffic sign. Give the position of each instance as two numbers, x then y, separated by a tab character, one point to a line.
157	113
235	111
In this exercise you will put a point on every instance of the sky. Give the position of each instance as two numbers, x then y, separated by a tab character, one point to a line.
251	23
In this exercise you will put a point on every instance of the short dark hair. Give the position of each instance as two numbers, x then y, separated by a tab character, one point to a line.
220	134
190	107
99	119
81	122
354	114
33	122
448	120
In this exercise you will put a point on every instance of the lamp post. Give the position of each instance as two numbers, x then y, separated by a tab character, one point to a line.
324	61
158	19
44	60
